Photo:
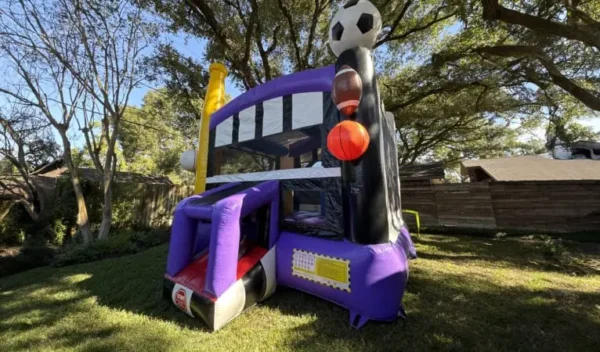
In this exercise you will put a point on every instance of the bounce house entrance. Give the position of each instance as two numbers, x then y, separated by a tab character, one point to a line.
255	227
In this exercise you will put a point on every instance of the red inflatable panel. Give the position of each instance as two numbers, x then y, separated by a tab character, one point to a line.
194	275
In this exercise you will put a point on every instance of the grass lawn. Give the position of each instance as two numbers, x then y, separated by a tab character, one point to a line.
464	293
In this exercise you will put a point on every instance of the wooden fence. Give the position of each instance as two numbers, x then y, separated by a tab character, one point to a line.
155	204
147	205
545	206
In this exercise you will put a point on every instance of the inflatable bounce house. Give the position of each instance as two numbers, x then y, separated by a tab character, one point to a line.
332	229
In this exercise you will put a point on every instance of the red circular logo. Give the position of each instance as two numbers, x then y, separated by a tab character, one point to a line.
180	299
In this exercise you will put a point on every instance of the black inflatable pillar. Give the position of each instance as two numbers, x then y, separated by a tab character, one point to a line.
370	184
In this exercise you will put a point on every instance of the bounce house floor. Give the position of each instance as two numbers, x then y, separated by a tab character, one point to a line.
194	275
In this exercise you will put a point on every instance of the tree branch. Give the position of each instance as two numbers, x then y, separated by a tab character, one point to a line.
493	11
586	97
293	33
399	18
415	29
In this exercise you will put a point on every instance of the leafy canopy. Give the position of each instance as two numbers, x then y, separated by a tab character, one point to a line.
448	74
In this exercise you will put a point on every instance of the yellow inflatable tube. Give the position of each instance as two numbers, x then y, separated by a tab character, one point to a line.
215	98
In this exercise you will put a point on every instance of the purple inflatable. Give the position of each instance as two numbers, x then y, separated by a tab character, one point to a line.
332	229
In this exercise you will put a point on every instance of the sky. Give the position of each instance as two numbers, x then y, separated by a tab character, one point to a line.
188	46
195	48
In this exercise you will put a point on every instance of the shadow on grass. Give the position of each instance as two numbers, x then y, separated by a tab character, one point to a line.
64	308
453	312
447	311
515	252
136	287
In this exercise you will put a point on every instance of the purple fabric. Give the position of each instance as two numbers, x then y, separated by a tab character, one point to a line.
203	212
202	237
406	242
259	195
183	231
315	80
307	217
224	245
225	232
181	243
378	274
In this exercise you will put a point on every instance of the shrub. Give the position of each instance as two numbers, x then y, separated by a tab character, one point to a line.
13	223
152	238
111	247
554	249
118	244
32	255
58	232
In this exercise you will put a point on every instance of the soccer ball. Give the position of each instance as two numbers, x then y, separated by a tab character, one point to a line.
357	24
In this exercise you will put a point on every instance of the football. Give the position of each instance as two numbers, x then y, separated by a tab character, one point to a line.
356	24
347	90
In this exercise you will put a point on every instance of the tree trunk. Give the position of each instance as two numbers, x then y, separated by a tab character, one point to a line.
83	222
107	183
106	212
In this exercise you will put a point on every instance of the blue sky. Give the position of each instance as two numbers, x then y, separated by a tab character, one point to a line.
188	46
194	47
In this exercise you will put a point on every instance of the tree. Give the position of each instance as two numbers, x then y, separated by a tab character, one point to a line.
96	46
261	40
25	145
444	93
40	81
557	40
547	46
155	135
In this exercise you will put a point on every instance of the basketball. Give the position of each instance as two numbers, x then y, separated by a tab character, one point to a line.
348	140
347	90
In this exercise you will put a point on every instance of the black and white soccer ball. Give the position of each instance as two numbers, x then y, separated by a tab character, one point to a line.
356	24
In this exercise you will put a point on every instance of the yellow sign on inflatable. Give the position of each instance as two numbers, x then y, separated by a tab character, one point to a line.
322	269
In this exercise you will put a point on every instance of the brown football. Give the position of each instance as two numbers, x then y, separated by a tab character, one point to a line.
347	90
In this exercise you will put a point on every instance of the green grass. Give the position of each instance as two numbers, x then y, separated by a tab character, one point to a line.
464	293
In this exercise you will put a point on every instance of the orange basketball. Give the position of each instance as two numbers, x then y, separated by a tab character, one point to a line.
348	140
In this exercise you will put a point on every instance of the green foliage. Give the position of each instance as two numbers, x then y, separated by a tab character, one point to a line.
154	137
150	238
6	167
20	236
113	246
28	258
235	162
33	253
59	232
554	249
117	244
451	99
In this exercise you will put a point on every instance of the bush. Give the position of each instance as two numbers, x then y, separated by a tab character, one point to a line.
554	249
152	238
118	244
13	223
111	247
29	257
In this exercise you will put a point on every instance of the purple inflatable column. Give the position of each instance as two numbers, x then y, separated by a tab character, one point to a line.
224	245
182	240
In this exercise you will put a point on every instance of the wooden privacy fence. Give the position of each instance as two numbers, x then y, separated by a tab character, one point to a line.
546	206
148	205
